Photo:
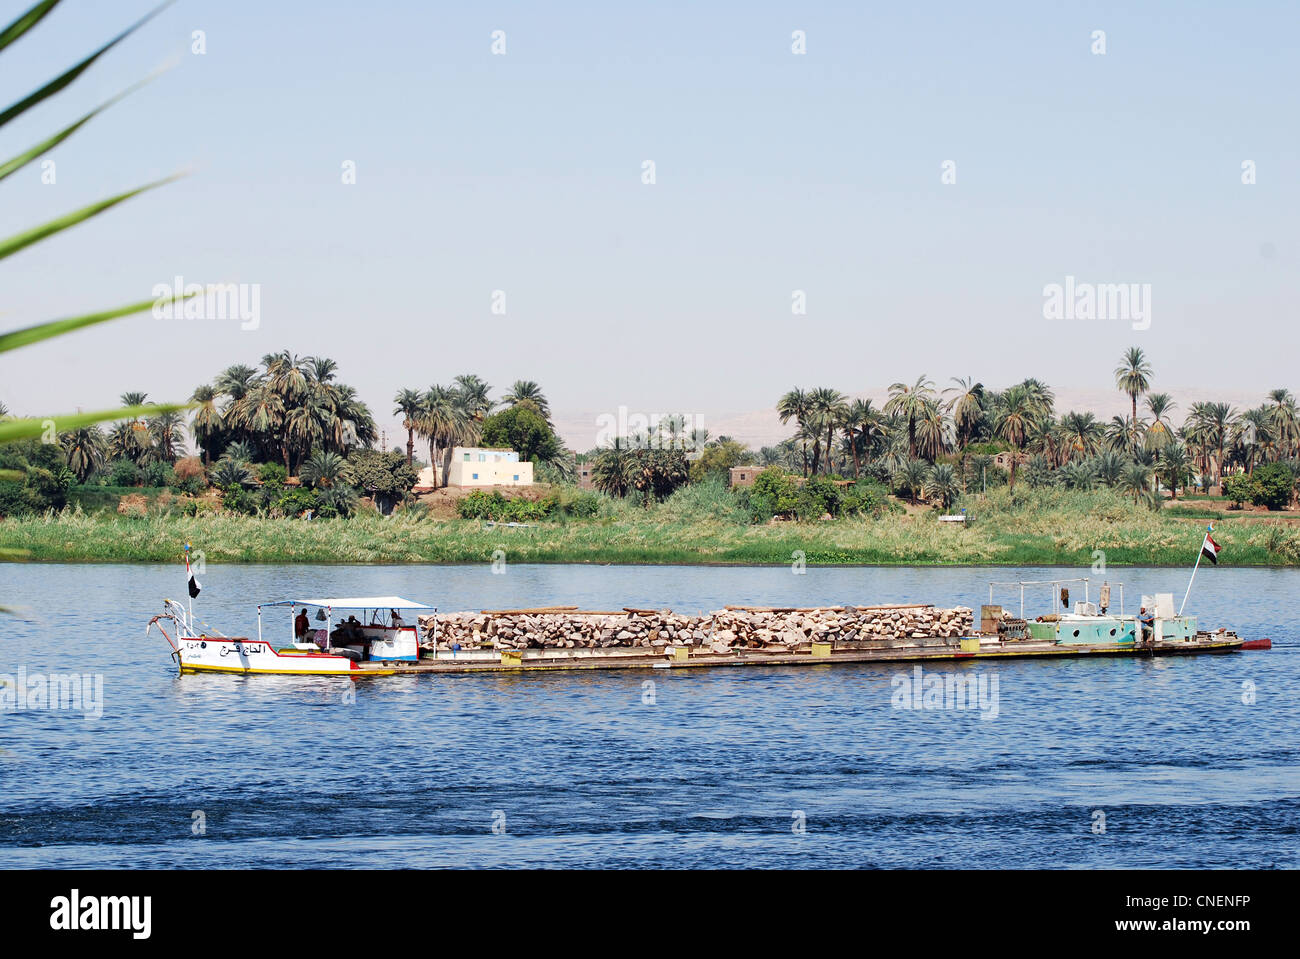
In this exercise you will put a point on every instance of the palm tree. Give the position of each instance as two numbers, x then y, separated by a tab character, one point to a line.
1252	438
1211	426
208	423
941	484
1160	433
909	402
828	407
615	469
85	450
967	409
1134	479
1015	420
1082	433
1175	467
1285	420
858	416
1123	434
527	390
794	405
445	422
1133	376
934	431
474	395
167	432
911	476
325	469
1109	467
1078	474
409	404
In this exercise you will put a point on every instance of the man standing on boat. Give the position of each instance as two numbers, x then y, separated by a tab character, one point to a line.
300	626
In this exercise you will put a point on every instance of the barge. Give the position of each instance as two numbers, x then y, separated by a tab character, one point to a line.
396	636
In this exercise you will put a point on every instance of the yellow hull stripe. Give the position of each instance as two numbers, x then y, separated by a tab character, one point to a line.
190	668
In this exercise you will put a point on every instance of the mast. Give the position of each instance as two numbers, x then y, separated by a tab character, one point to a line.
1199	553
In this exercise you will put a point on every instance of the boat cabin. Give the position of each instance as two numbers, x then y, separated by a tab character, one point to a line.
1087	622
362	628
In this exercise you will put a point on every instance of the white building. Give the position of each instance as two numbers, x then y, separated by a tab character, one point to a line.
481	466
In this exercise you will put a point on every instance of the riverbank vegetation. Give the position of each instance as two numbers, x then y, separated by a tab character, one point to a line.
284	469
701	523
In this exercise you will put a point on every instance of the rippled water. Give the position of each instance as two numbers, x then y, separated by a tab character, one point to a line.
577	769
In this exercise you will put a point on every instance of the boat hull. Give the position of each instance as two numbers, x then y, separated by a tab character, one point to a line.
224	654
697	659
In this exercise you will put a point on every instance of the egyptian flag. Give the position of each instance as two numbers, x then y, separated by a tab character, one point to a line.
1210	549
194	583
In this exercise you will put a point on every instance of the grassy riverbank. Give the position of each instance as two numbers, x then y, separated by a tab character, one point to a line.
1031	528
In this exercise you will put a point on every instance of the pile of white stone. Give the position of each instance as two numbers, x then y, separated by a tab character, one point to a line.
733	627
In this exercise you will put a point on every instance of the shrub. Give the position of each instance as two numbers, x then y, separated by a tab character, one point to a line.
1238	488
188	468
16	499
294	502
816	498
707	501
773	493
868	497
123	472
133	506
338	500
523	430
271	473
1273	484
579	504
485	505
158	473
717	459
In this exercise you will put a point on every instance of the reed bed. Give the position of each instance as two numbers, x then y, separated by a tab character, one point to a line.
1031	528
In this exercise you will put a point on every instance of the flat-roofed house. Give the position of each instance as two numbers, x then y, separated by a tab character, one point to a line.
488	466
743	475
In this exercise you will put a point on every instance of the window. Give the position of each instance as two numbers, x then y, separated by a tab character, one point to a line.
476	476
482	457
516	477
466	457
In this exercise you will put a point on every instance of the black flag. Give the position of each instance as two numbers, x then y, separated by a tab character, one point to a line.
194	586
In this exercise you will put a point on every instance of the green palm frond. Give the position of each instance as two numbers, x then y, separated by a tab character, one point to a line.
20	241
13	431
67	77
44	331
15	164
25	22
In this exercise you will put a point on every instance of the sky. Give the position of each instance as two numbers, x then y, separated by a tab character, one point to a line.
484	178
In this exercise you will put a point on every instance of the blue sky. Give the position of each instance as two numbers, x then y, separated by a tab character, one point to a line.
774	172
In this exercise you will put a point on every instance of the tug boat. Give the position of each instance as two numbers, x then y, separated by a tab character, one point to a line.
1156	628
380	637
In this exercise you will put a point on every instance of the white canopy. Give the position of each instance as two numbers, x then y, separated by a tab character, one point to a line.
355	602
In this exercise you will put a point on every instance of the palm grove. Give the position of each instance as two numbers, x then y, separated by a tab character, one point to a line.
252	428
936	443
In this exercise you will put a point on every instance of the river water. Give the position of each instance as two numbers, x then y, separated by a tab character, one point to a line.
1172	762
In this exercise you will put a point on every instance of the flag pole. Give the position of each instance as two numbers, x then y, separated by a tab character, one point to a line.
1199	553
189	600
